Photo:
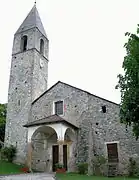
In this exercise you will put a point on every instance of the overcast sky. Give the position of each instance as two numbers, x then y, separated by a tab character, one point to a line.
86	40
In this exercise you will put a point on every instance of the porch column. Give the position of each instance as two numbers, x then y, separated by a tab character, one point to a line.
31	131
60	143
69	148
29	155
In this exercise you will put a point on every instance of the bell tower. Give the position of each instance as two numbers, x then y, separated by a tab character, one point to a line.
28	78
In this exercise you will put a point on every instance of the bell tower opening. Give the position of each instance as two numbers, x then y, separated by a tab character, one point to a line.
42	47
24	41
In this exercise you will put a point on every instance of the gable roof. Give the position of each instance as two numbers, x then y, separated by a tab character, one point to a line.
76	89
31	21
50	120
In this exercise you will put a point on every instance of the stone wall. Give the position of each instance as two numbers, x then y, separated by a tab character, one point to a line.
19	102
85	110
107	128
40	75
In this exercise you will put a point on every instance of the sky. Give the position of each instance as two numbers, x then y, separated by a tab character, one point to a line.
86	41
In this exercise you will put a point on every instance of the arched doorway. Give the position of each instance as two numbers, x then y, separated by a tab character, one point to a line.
43	140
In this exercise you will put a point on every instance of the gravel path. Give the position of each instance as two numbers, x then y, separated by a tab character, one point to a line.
35	176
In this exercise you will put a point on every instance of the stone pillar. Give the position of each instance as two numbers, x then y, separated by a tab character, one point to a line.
60	143
69	144
70	155
29	156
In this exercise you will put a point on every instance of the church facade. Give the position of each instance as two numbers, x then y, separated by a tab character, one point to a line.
63	124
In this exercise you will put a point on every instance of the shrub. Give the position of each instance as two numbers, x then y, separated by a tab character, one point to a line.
133	170
1	145
9	153
2	132
82	168
99	165
59	166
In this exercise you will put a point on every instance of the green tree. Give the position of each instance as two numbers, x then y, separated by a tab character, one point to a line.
129	84
3	110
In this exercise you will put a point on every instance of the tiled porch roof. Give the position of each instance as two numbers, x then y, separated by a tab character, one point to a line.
50	120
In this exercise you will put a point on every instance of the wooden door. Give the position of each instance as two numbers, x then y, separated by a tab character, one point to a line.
55	153
65	156
112	152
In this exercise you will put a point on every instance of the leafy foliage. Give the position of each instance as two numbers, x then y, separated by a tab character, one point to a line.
82	168
133	170
9	153
59	166
3	111
2	132
129	84
99	165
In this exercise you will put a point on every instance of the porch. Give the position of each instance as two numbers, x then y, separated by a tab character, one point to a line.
51	140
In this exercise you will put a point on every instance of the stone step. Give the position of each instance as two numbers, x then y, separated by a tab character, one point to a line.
112	170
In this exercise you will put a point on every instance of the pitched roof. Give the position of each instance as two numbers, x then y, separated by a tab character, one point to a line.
75	88
50	120
31	21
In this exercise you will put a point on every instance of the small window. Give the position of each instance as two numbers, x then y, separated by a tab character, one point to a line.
18	102
59	107
24	40
42	46
104	109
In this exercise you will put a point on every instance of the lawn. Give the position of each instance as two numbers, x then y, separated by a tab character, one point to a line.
84	177
9	168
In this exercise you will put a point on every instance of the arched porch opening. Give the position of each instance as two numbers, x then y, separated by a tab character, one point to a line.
69	149
69	135
42	141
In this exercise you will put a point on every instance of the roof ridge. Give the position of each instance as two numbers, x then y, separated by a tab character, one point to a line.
42	118
89	93
75	88
45	118
49	119
45	92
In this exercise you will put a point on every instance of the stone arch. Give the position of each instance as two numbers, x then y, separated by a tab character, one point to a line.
42	140
24	41
70	139
69	134
47	130
42	46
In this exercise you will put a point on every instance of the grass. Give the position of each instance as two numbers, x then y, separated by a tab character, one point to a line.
70	176
9	168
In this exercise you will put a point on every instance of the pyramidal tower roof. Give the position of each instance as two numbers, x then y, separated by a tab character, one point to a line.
31	21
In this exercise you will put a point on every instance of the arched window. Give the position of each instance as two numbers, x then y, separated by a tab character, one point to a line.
42	46
24	40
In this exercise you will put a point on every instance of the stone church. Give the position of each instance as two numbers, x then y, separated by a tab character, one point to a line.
64	124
